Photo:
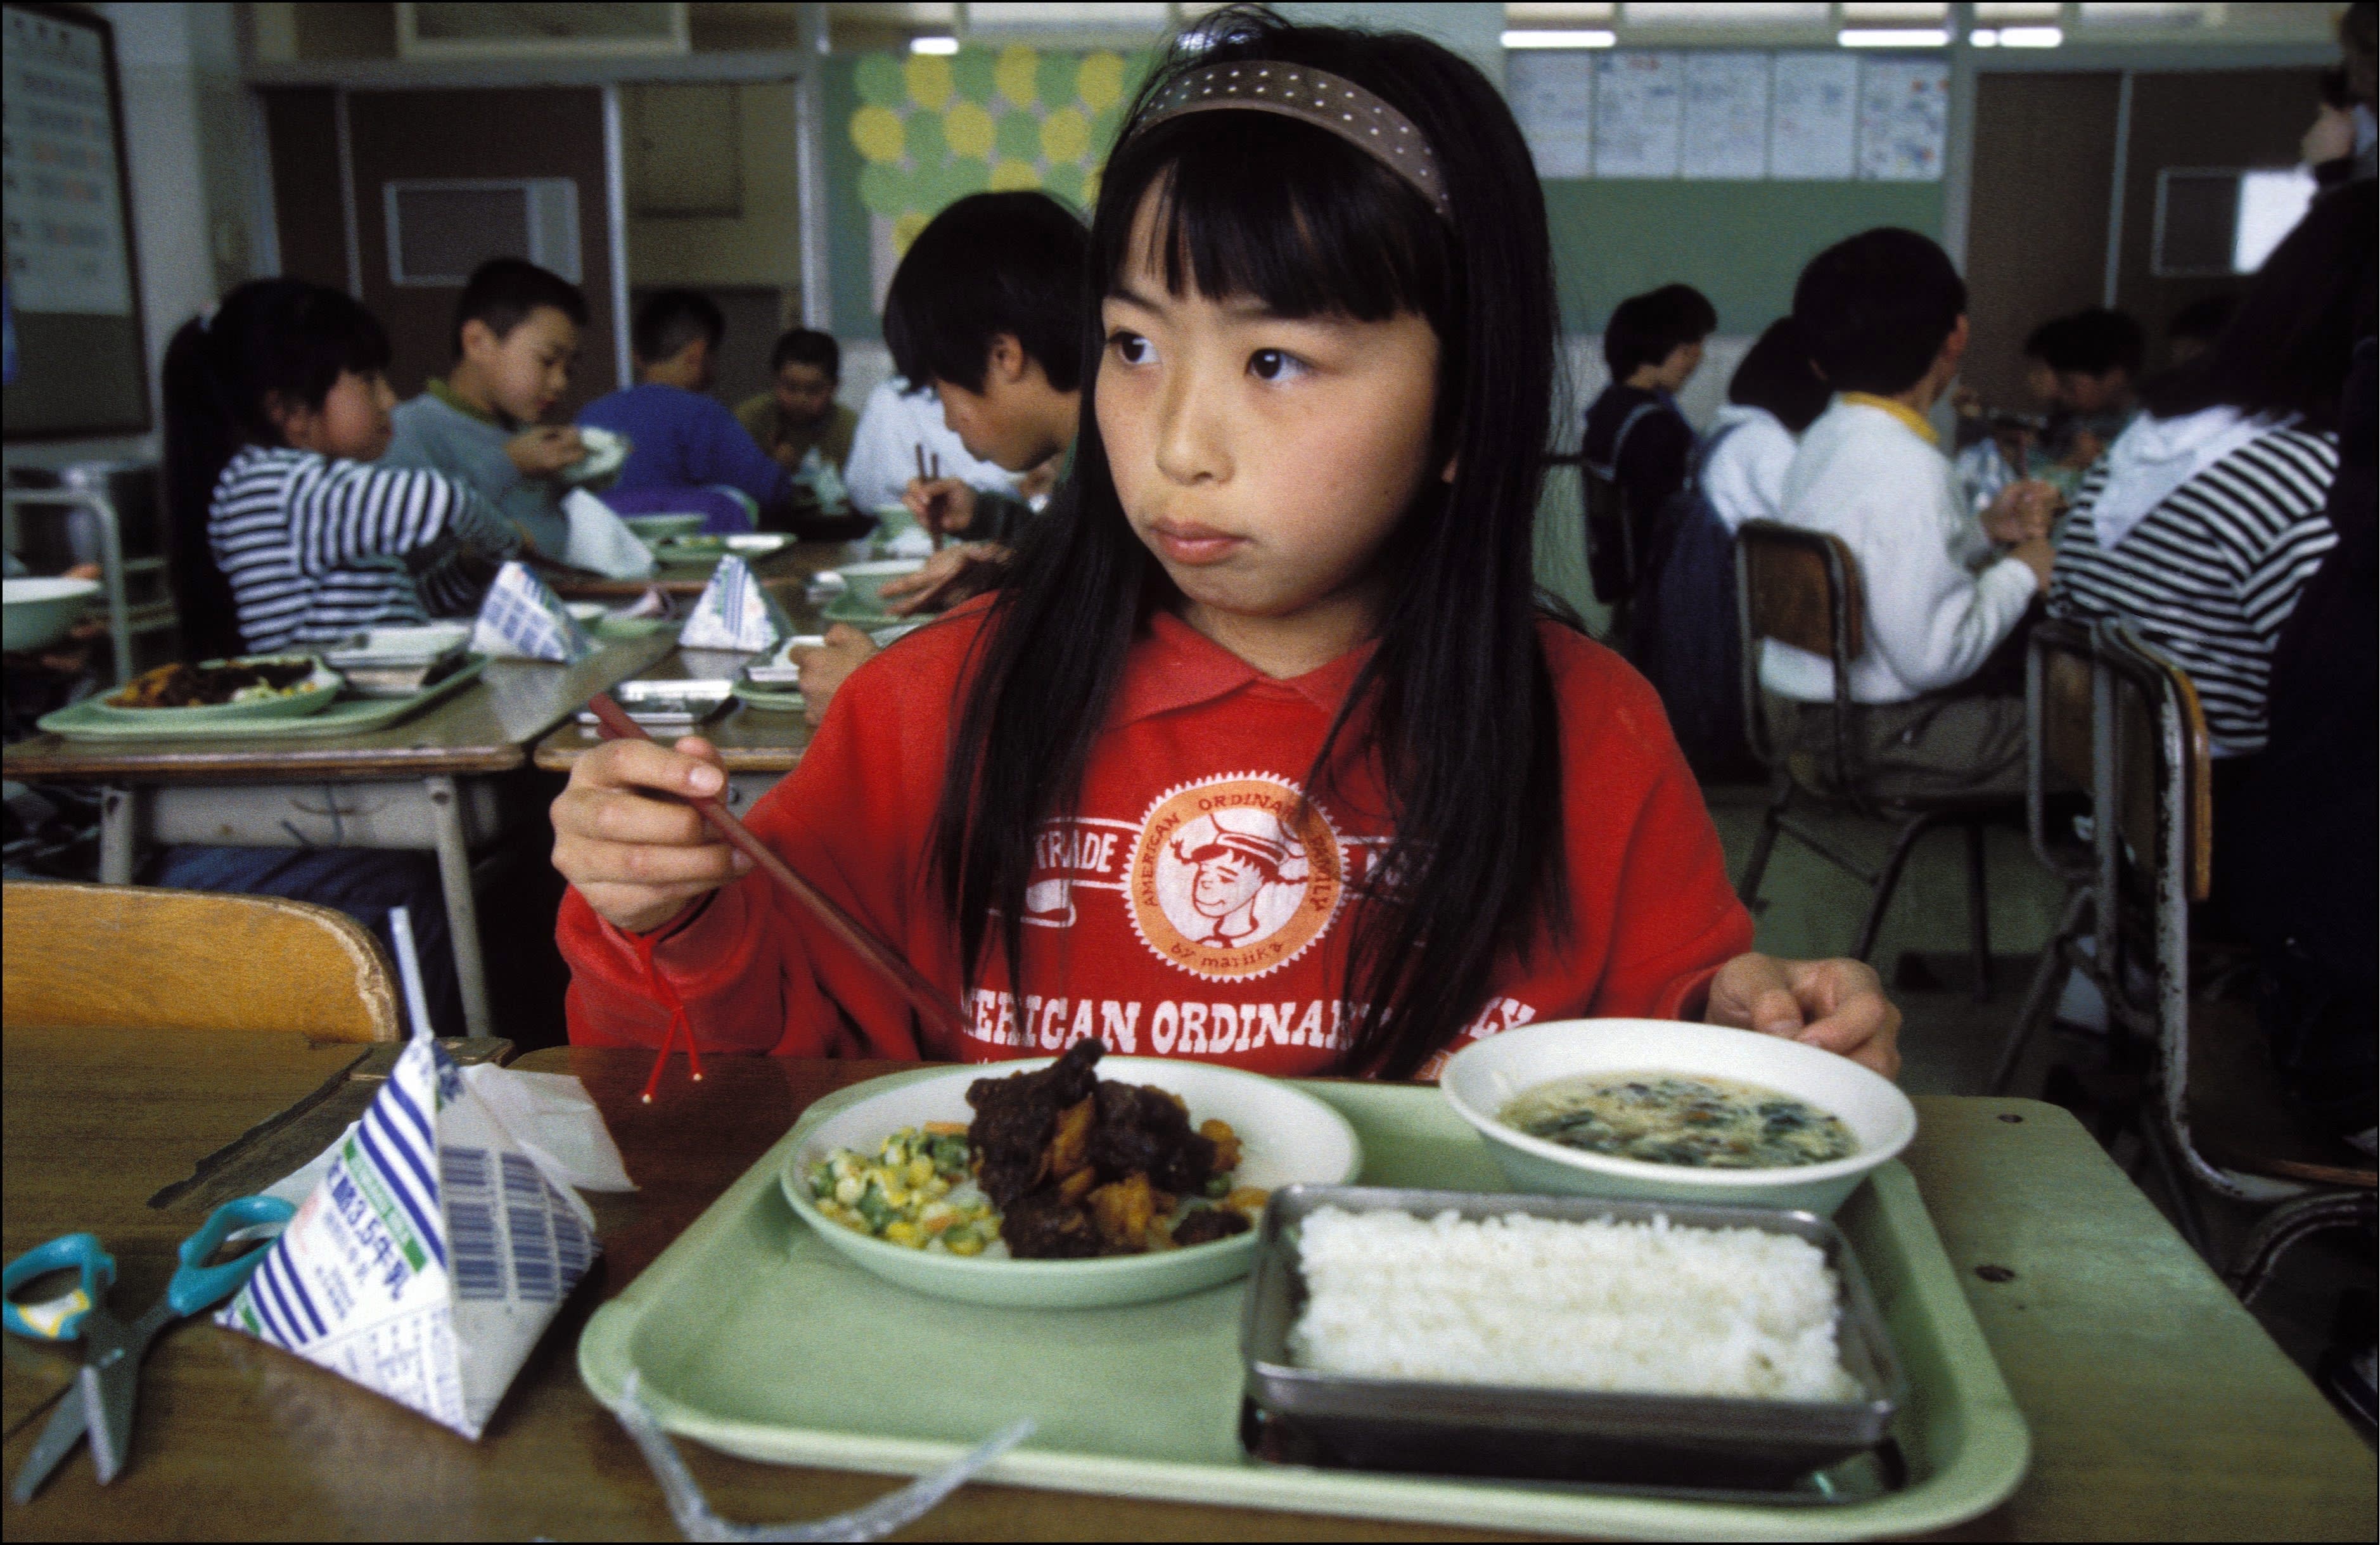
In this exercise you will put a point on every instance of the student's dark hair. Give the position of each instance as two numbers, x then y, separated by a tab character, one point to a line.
502	292
671	319
1876	308
2203	321
2089	342
988	265
282	340
1645	329
2288	346
803	346
1453	713
1776	373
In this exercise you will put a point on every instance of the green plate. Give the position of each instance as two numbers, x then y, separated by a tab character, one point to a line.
651	529
317	693
347	716
751	1334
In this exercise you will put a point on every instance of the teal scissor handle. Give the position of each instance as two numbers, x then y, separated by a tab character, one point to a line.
196	1284
61	1319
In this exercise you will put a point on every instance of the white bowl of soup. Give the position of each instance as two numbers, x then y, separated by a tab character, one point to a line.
1659	1109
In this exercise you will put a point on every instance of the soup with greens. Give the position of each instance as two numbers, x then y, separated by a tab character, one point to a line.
1664	1118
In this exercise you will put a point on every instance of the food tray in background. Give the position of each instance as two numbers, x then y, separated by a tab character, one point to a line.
349	715
752	1335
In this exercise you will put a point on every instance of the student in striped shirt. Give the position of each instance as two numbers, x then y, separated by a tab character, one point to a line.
2204	521
286	533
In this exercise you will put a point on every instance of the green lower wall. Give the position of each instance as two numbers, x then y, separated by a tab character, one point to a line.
1741	243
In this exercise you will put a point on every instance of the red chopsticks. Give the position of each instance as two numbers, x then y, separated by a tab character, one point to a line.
924	996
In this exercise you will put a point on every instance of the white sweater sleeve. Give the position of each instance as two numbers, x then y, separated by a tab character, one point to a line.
1931	619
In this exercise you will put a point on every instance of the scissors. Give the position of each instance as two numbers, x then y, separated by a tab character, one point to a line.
101	1402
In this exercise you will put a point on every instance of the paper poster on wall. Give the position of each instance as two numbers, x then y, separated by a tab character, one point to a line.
1639	100
65	215
1726	125
1904	119
1552	93
1813	117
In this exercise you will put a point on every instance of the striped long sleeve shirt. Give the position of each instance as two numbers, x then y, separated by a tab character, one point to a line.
2209	576
315	549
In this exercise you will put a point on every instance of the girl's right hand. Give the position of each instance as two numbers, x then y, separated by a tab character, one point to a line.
625	837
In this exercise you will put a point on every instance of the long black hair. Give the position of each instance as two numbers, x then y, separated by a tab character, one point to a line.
272	340
2288	347
1455	708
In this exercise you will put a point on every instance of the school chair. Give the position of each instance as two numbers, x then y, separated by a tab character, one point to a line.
2060	714
1802	587
137	957
2217	1119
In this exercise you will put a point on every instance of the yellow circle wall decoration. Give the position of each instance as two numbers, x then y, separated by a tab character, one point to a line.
1098	80
929	80
931	128
877	131
1014	74
1065	136
968	131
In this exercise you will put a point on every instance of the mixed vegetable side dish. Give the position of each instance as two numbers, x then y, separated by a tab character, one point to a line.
1057	1164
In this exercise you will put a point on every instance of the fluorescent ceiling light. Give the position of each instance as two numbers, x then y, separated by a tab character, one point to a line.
1572	38
1892	37
2032	37
933	45
1982	37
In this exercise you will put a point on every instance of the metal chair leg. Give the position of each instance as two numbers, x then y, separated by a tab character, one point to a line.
1979	919
2048	979
1888	880
1747	890
2278	1231
2186	1214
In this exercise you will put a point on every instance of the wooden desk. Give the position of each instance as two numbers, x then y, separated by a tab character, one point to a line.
2158	1407
434	782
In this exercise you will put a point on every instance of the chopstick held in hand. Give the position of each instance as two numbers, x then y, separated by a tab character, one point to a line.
935	1009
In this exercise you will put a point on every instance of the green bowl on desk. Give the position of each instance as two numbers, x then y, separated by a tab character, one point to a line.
651	529
40	612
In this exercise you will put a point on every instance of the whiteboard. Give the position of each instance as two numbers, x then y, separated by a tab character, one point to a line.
71	359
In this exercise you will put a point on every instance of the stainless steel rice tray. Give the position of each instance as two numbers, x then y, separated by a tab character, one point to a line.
1663	1441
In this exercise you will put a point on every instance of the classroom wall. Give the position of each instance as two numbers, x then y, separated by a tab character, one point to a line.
759	244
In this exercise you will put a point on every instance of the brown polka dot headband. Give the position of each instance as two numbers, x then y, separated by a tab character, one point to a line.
1311	96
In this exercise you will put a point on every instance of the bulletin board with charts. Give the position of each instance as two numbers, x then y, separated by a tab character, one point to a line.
71	359
917	132
1727	169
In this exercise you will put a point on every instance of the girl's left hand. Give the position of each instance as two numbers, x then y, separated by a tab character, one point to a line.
1836	1004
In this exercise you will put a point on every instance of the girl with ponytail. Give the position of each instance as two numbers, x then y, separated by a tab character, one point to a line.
282	534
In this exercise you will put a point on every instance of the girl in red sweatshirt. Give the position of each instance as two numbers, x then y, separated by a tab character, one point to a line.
1266	753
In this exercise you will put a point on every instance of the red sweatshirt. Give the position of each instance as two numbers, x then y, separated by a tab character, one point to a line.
1181	913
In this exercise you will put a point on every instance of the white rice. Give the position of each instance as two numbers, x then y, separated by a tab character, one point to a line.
1644	1308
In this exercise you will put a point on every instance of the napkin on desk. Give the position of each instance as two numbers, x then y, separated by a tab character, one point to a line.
437	1239
522	618
601	542
735	612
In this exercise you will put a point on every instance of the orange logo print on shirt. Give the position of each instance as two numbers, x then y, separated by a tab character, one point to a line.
1233	877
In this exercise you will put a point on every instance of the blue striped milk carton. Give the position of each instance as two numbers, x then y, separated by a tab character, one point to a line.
429	1259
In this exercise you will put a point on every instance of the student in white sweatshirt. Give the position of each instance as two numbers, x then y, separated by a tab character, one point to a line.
1945	592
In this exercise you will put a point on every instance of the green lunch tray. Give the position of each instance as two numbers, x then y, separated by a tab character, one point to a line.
348	716
752	1336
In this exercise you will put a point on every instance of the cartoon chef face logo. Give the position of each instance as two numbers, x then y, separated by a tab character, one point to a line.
1233	877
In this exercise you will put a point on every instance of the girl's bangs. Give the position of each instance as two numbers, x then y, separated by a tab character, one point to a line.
348	332
1257	205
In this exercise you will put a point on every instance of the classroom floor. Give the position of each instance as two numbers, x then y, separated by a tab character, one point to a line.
1950	1043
